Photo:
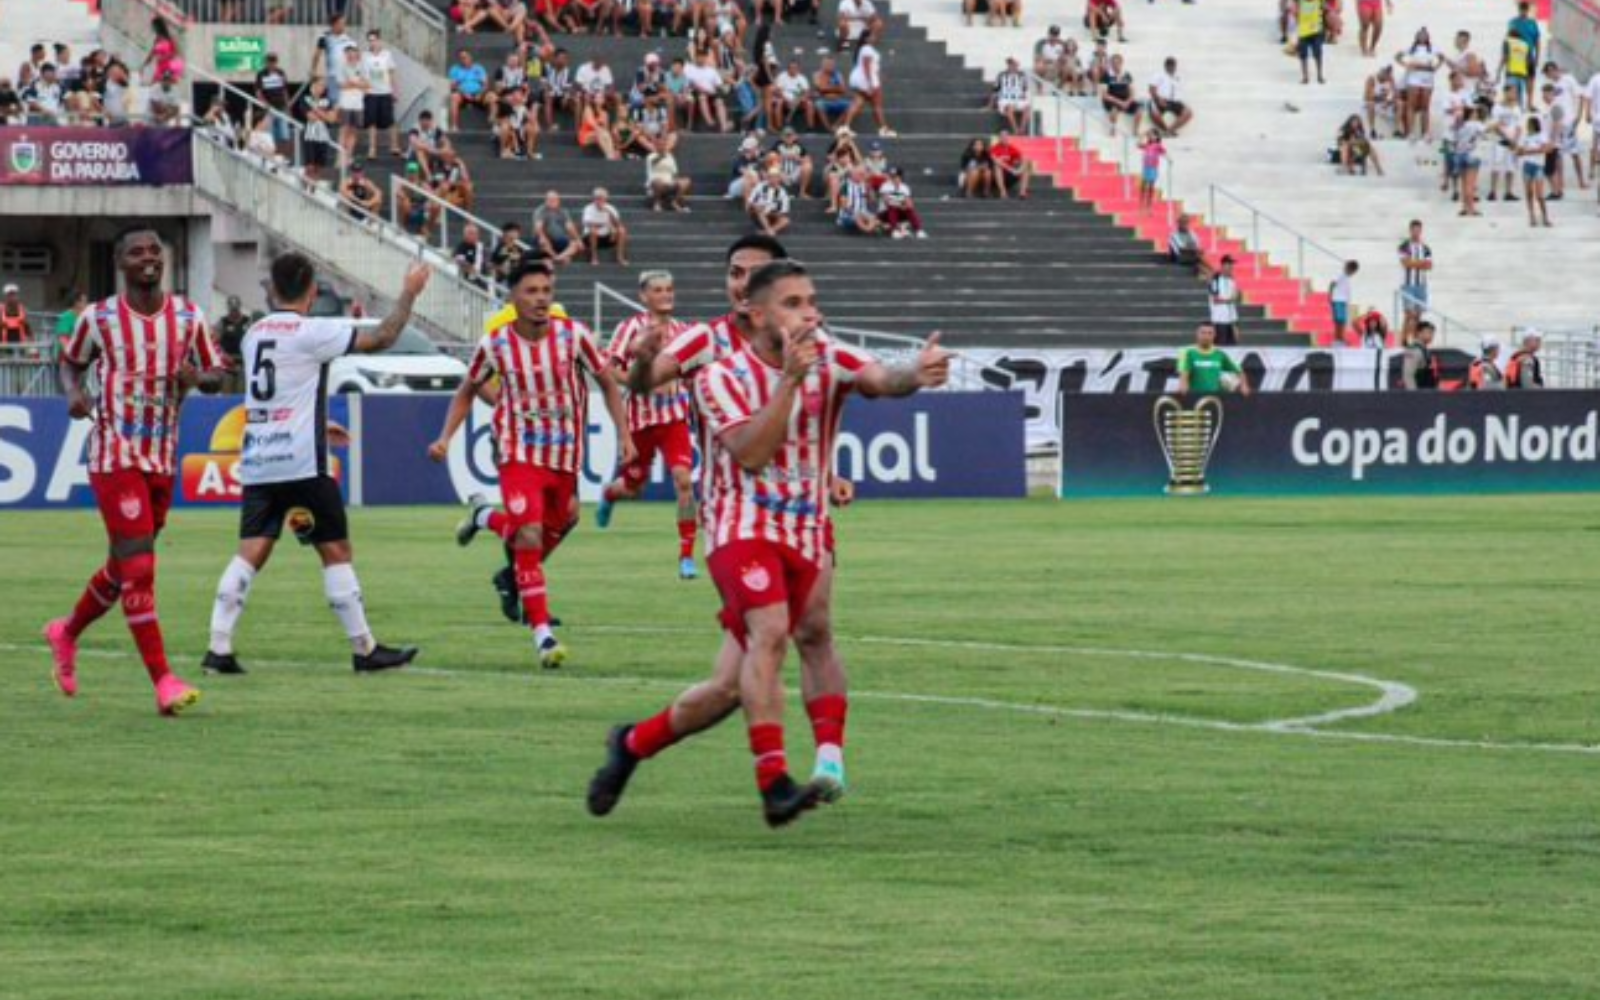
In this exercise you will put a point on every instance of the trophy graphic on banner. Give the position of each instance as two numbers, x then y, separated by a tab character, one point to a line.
1187	438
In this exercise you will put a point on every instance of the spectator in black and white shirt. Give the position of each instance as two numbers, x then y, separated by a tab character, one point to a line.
1416	264
43	97
769	205
472	257
1223	297
509	253
319	114
429	147
898	210
856	214
1168	112
1183	248
794	162
1011	98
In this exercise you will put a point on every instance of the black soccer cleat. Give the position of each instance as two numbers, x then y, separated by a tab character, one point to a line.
785	801
468	529
221	663
608	783
383	658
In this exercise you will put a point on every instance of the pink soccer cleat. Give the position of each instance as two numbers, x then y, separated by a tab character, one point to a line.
64	648
174	697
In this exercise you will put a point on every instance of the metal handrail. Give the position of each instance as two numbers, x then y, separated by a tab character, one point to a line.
486	229
296	129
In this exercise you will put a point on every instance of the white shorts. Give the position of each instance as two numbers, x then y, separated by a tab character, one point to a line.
1502	159
1006	106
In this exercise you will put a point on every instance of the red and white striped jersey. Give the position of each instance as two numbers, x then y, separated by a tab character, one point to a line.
544	400
701	344
137	360
786	502
667	403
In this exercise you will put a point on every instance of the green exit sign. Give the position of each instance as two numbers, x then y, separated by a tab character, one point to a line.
241	53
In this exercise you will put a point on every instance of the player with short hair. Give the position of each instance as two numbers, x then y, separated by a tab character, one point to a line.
539	419
658	419
770	407
284	466
147	349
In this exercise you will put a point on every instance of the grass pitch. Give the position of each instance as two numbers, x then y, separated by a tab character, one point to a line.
309	834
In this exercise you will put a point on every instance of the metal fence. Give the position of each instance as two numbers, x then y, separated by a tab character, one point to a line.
29	369
260	11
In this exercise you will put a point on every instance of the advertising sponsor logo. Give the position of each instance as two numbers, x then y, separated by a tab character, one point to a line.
25	161
212	476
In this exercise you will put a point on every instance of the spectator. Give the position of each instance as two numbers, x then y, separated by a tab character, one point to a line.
1168	112
557	237
364	199
866	81
768	205
843	156
649	85
1533	152
748	108
1339	292
855	204
15	330
1010	97
166	107
163	59
469	86
602	227
674	16
11	109
67	322
1223	298
231	329
1416	265
977	177
1151	153
508	253
1420	63
1564	97
645	131
429	147
595	79
1310	34
1469	64
594	128
1374	330
472	257
1012	170
1526	371
1419	369
560	92
260	144
791	95
1116	95
899	211
377	65
1203	370
1370	13
517	128
666	187
709	92
454	185
43	97
272	89
1101	16
1504	132
858	22
352	101
1468	135
998	12
1048	55
1516	66
1526	28
794	162
832	100
415	203
1484	373
746	170
1355	149
680	97
331	46
877	165
1183	248
28	72
1381	101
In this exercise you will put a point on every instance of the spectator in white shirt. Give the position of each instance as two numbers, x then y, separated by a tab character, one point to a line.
898	210
1168	111
602	227
708	90
859	23
352	100
594	78
667	188
769	204
791	93
866	80
1048	54
378	105
1567	106
1223	297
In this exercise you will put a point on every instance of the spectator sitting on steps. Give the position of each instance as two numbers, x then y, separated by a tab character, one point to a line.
558	238
1049	54
769	204
602	227
899	211
1356	150
1010	97
1183	249
1116	95
1100	16
360	193
998	12
1168	112
1013	172
977	178
667	188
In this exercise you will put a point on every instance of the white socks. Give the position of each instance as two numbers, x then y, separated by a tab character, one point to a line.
344	597
481	518
232	592
830	753
541	633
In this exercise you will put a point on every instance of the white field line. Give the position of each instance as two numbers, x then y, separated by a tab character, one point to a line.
1393	695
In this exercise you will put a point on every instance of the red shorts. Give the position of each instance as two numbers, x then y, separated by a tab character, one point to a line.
133	504
672	441
535	495
752	575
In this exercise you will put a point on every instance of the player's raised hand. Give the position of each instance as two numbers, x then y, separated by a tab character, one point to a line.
416	279
439	450
933	363
800	353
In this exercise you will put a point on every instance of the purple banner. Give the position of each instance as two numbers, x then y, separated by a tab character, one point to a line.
95	157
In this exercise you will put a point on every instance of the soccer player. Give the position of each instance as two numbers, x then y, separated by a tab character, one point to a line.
658	419
148	349
769	407
539	418
284	465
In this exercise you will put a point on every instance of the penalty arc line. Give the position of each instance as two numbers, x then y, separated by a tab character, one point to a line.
1394	694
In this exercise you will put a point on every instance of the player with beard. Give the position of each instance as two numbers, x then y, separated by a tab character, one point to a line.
147	349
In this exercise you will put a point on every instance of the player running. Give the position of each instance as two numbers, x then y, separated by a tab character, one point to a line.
658	419
539	417
771	409
147	349
284	467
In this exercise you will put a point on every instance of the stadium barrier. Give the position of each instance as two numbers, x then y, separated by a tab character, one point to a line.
61	156
936	445
1327	443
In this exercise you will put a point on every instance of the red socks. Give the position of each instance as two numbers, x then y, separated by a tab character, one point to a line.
652	736
685	538
766	743
138	575
828	713
613	491
97	598
530	584
500	524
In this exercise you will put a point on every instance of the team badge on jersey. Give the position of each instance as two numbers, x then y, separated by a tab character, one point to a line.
131	506
755	578
517	504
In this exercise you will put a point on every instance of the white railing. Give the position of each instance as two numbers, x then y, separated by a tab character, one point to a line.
413	27
1063	116
255	12
339	238
1571	357
257	109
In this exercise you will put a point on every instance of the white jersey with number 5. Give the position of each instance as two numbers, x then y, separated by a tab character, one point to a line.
286	359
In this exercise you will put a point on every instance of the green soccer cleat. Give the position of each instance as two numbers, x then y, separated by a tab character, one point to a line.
828	778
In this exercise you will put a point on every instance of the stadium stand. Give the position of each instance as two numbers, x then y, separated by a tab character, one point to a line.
1264	138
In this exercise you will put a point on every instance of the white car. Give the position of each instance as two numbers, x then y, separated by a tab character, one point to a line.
413	364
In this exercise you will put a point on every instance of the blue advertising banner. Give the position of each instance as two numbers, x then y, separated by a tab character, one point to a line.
1348	442
43	452
76	156
934	445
